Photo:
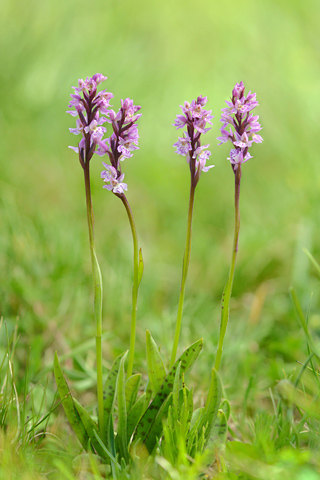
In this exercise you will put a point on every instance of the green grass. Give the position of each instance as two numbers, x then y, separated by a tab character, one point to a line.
160	54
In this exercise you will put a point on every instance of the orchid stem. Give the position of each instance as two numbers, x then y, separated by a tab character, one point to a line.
97	283
226	296
135	287
185	267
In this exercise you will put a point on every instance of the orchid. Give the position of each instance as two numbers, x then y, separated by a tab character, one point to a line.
88	105
121	144
196	118
242	133
243	125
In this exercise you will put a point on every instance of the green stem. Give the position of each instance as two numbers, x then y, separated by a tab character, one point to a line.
135	287
185	267
97	283
225	302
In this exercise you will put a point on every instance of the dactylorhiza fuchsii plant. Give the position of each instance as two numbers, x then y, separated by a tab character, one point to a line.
195	118
242	133
89	106
121	144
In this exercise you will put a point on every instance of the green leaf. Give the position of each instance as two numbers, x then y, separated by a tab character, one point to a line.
132	388
140	267
197	414
225	407
218	433
213	401
91	429
156	429
175	394
111	437
186	409
194	430
155	364
107	452
110	388
187	360
135	414
68	405
122	411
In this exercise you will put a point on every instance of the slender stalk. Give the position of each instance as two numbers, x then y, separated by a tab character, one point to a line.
225	302
185	267
135	287
97	283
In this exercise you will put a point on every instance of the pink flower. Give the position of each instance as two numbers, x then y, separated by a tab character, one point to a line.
195	118
245	126
121	144
87	104
113	180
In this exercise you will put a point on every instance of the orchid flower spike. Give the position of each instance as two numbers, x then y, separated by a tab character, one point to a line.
195	118
87	104
244	126
121	144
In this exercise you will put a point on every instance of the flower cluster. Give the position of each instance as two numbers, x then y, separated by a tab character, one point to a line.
87	104
121	144
245	125
195	118
112	179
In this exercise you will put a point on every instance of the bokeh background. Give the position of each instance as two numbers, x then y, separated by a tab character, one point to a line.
161	54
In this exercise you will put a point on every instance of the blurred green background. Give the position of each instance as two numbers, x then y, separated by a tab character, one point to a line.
161	54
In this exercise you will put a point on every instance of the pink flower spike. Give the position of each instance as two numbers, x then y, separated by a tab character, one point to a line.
88	104
244	124
196	119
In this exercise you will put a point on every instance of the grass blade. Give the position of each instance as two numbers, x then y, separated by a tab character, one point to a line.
303	322
313	260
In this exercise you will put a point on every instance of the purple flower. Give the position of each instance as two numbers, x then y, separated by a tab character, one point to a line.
121	144
195	118
112	179
244	125
87	104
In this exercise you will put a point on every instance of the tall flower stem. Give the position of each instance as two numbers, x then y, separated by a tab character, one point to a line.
135	287
185	267
226	296
97	283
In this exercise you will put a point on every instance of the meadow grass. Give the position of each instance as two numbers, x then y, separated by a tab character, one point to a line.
160	54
